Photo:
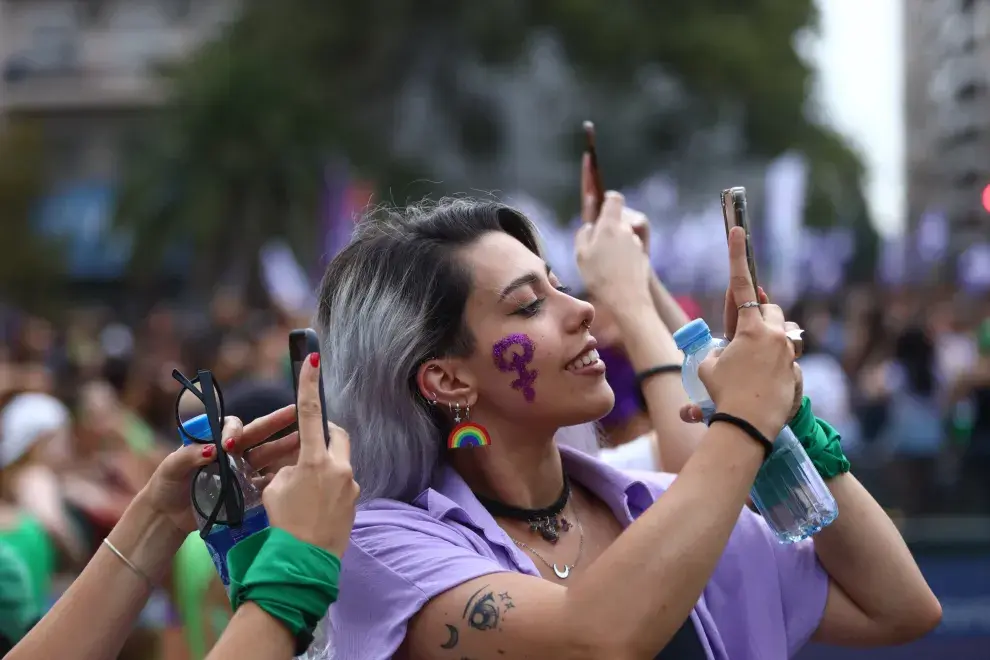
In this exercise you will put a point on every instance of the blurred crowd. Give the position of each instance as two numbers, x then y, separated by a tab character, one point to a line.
87	410
906	377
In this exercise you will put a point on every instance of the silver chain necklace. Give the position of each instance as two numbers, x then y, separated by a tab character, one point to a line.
560	572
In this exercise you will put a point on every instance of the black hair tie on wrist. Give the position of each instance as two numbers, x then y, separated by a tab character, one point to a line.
646	374
747	428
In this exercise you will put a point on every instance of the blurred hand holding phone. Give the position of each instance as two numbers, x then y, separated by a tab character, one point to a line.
592	190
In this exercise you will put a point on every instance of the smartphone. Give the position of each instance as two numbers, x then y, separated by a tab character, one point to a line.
596	176
302	342
735	214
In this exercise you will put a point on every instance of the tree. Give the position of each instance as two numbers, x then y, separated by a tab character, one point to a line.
30	265
433	88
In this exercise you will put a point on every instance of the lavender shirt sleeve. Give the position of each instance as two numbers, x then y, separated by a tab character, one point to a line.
803	589
391	570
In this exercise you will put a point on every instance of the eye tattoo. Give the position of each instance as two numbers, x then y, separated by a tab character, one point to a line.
506	361
482	610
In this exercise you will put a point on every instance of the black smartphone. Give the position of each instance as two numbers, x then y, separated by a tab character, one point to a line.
735	214
596	175
302	342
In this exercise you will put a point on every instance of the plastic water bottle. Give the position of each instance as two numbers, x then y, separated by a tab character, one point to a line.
206	491
788	492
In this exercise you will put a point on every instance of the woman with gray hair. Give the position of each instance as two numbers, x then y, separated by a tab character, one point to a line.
455	358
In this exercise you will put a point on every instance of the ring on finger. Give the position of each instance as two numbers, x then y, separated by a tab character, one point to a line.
751	303
797	340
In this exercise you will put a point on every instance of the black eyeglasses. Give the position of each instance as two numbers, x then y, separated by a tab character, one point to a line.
199	412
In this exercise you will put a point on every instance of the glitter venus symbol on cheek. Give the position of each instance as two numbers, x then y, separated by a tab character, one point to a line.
467	434
513	353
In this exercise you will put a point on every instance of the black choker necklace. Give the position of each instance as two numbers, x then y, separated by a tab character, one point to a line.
546	521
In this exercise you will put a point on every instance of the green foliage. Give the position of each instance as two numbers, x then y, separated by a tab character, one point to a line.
239	154
30	266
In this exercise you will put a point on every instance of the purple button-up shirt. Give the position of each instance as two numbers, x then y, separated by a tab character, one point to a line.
762	603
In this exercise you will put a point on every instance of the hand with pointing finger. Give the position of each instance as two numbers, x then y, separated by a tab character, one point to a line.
639	223
314	500
692	413
753	377
610	256
167	492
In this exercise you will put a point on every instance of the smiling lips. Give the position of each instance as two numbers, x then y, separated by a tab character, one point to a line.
587	358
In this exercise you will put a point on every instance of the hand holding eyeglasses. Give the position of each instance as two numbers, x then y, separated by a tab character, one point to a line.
168	490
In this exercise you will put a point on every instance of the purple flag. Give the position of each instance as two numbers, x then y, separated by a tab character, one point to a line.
336	213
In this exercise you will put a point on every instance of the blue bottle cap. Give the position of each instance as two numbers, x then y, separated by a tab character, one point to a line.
691	332
197	427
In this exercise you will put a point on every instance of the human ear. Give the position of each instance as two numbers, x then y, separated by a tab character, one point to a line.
446	381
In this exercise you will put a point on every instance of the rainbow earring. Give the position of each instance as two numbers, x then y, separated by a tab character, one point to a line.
466	433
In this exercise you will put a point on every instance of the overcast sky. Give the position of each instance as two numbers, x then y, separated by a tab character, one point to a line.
860	93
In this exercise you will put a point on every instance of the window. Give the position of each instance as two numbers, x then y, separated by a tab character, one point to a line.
961	137
966	180
91	12
970	91
176	11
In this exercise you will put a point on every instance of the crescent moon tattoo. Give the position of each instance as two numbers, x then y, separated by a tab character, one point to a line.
452	642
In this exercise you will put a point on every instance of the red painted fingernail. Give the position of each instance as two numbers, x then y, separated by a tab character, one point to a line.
208	451
314	359
228	444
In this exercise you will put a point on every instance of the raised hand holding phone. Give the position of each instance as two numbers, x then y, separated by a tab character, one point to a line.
736	214
593	192
314	499
610	256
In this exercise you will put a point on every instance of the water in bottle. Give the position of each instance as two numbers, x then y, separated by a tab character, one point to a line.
788	491
206	491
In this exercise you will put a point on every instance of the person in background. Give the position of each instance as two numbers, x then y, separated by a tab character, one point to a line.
955	348
18	603
34	519
822	322
825	382
640	433
969	399
283	578
867	351
914	420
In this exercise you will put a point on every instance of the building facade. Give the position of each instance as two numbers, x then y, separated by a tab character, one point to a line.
84	73
947	97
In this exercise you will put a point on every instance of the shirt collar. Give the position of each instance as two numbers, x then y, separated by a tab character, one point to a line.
627	496
450	497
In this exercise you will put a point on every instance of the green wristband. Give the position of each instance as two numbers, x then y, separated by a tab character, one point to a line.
291	580
820	440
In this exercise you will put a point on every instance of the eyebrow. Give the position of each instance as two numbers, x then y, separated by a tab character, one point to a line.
523	280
